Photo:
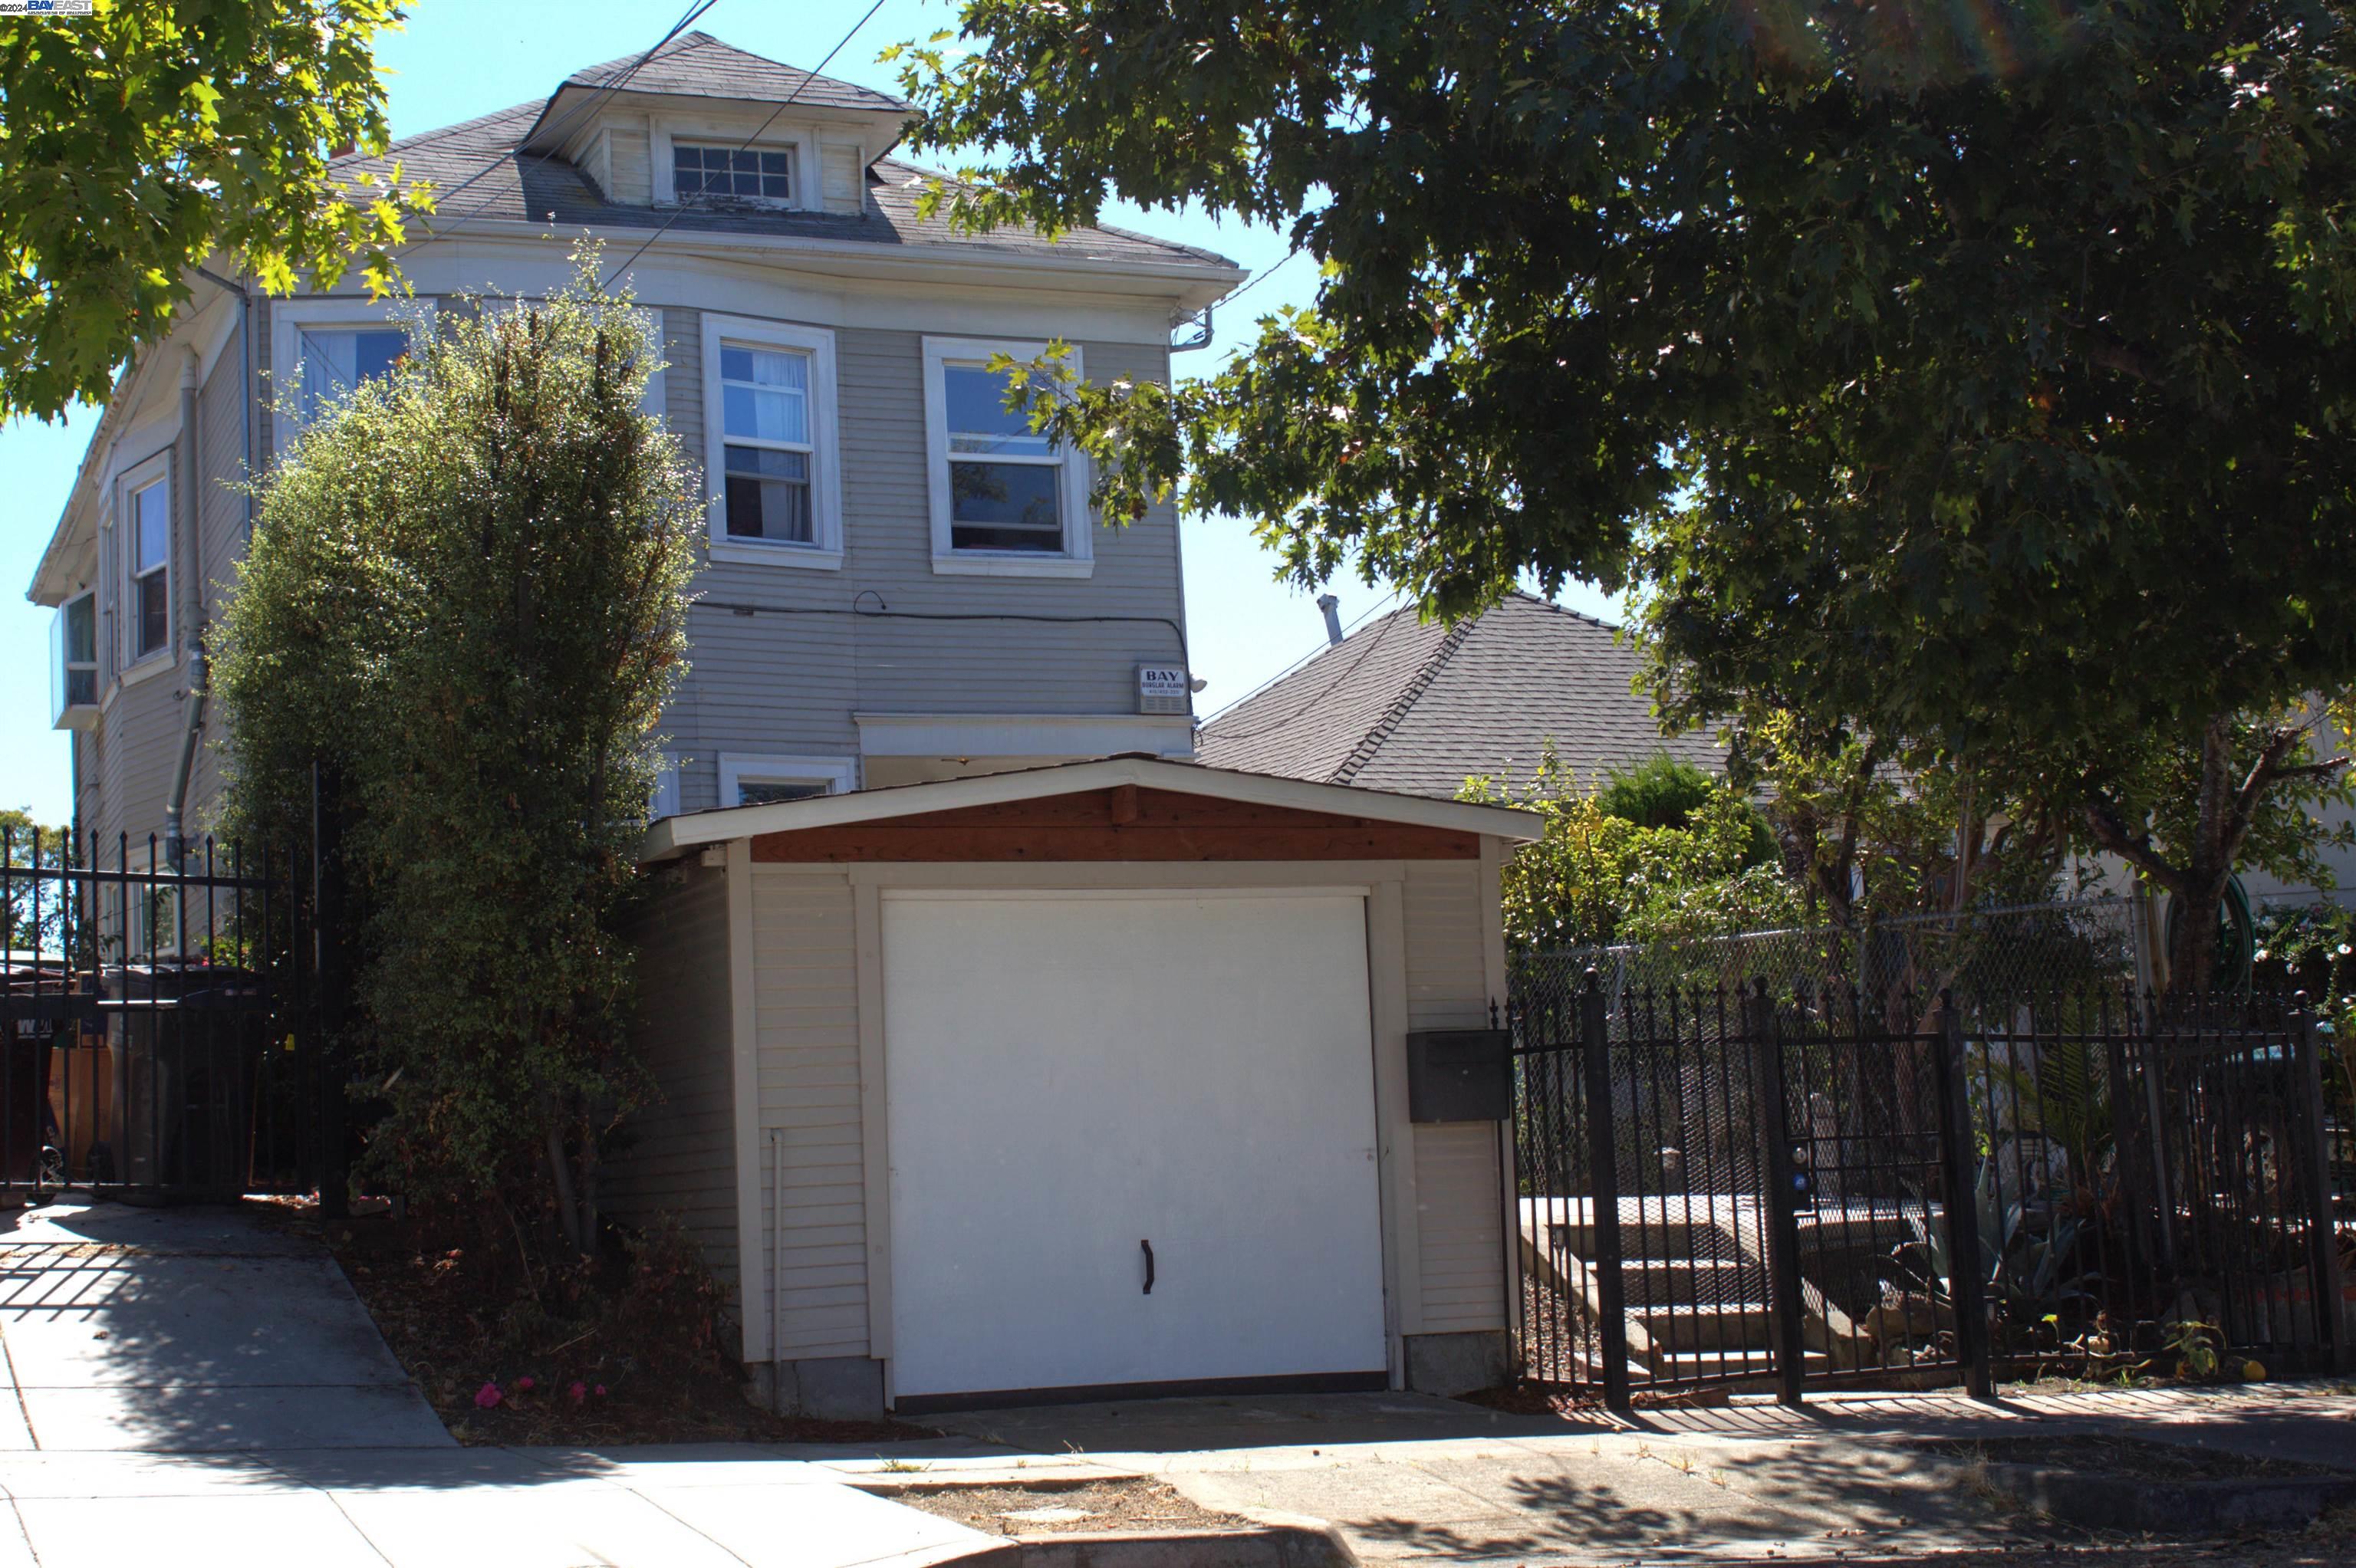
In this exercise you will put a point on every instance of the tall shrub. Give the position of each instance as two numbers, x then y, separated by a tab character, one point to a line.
464	596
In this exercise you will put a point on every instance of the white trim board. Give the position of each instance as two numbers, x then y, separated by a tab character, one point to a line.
1023	734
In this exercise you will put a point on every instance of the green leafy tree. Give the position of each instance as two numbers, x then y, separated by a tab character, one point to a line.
138	141
1594	878
465	597
30	920
1976	378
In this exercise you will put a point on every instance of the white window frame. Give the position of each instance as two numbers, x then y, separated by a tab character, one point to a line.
666	129
1078	558
824	553
839	774
289	319
65	714
130	482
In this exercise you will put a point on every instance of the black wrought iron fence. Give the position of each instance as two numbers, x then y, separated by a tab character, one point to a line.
1823	1184
156	1020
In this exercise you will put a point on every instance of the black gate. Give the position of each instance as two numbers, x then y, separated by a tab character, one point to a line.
157	1023
1725	1187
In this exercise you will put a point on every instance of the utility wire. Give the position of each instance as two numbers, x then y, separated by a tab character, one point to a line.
694	14
808	77
886	613
1372	642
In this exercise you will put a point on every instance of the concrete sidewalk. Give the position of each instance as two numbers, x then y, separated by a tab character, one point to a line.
456	1508
191	1330
188	1386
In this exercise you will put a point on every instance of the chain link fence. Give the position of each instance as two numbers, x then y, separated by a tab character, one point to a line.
1986	956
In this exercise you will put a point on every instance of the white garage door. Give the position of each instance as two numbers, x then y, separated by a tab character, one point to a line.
1074	1079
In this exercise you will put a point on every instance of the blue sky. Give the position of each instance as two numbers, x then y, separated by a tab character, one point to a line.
455	61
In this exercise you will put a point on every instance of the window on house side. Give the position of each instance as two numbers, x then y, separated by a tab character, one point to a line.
769	791
150	555
701	171
338	359
73	655
1006	482
766	421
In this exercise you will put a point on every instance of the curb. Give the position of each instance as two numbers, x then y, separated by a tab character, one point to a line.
1267	1546
2176	1507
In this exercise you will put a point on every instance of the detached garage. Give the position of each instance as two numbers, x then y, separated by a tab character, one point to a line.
1085	1080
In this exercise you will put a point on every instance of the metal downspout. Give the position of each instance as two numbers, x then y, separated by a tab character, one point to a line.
189	553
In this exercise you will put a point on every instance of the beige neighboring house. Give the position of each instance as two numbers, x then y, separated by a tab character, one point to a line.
1405	704
865	616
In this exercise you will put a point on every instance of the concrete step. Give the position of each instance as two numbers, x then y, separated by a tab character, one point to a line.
1658	1281
1728	1325
1729	1363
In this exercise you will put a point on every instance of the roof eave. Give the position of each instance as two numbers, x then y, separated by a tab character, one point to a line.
1199	281
676	836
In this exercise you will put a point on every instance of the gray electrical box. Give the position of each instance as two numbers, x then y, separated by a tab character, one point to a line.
1460	1075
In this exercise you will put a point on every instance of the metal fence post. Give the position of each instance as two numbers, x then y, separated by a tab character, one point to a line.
1779	1190
1603	1192
1967	1285
2324	1283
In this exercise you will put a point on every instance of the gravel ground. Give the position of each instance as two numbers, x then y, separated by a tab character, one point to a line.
1055	1508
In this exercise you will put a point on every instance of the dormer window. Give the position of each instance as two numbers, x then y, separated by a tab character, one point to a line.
708	172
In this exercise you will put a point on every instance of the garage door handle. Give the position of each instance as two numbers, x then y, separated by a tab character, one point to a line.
1148	1265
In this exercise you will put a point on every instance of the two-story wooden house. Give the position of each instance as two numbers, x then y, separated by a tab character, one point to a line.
869	613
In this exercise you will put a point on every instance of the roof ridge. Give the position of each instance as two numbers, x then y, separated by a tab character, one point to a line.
1420	682
419	138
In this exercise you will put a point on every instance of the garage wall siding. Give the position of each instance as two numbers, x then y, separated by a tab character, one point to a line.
683	1159
806	1011
1459	1232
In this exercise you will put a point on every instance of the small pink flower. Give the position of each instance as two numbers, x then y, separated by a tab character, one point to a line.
601	1390
524	1385
487	1396
578	1391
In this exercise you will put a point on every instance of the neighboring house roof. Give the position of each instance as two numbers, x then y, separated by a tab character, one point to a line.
503	183
1406	705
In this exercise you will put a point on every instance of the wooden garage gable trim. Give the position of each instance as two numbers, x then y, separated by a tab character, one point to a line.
1125	822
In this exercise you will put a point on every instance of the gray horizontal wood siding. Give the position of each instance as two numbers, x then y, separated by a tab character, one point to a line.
788	679
682	1158
806	1007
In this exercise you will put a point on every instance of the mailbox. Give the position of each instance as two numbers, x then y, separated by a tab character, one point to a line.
1458	1075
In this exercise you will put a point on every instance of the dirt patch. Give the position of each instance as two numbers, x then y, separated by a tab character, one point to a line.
1056	1507
2128	1457
626	1352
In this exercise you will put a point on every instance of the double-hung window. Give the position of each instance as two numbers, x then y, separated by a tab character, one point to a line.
324	348
74	663
337	359
1005	499
713	171
766	416
147	546
769	410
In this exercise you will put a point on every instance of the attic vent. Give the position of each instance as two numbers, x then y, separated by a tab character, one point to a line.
840	172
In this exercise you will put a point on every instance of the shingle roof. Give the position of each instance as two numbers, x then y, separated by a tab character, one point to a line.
534	189
697	65
1420	708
